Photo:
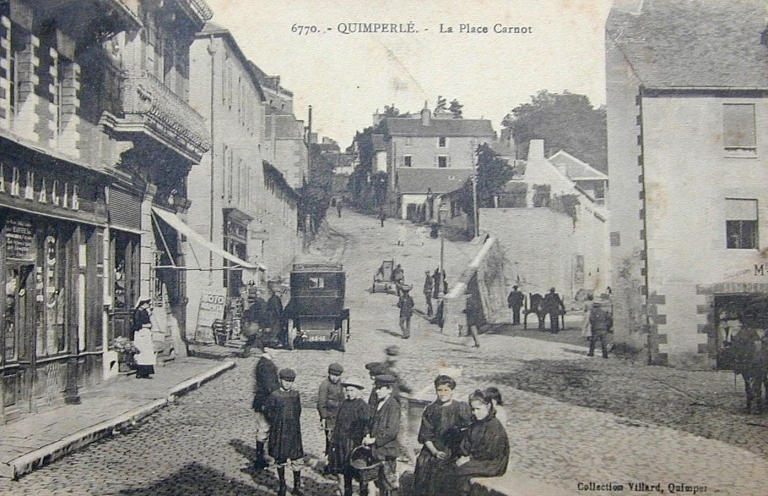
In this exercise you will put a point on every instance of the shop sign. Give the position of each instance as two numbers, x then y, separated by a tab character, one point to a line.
19	237
211	308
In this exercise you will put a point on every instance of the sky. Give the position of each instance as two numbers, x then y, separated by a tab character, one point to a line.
347	77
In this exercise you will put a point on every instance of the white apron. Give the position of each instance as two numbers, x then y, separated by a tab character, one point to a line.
143	341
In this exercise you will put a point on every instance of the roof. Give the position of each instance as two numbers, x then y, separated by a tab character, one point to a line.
213	29
480	128
575	169
378	143
695	43
502	149
438	180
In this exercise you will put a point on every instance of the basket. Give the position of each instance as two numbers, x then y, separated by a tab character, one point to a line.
361	459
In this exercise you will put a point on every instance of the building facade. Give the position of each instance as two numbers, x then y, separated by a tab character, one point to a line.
687	151
97	134
429	155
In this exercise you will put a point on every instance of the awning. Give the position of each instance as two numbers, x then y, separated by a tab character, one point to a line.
175	222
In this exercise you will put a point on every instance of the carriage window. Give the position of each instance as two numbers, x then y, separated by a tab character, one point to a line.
316	282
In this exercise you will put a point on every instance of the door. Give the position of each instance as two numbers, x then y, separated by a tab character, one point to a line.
18	337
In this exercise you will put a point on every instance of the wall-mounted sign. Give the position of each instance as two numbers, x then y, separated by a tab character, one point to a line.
19	236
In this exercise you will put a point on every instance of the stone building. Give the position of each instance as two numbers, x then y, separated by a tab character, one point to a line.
97	136
687	100
427	153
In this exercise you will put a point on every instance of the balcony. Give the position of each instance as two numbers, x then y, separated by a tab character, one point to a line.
148	107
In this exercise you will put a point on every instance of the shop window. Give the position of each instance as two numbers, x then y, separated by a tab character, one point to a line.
741	223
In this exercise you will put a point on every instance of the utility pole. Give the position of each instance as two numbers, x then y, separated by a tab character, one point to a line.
475	213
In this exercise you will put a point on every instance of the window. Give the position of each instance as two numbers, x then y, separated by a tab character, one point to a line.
442	161
739	127
442	141
407	161
741	223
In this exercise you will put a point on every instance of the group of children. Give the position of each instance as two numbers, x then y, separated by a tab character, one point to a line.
460	440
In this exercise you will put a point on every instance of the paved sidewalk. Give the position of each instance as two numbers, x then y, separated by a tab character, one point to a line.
38	439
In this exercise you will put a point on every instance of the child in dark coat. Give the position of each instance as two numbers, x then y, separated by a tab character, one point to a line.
283	411
348	432
383	432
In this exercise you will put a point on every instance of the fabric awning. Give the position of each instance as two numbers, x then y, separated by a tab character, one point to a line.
175	222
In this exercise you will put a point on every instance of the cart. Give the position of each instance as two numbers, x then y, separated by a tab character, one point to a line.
382	280
315	312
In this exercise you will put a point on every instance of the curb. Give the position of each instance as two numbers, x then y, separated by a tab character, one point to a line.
43	456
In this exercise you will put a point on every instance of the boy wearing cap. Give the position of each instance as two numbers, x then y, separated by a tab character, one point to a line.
383	432
329	397
351	426
283	411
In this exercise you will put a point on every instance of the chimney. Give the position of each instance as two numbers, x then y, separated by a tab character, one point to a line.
426	115
535	150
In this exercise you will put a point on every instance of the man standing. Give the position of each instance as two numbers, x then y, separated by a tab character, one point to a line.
382	437
437	283
329	397
398	277
428	292
473	312
554	307
338	207
273	316
405	304
254	319
283	411
601	323
267	382
515	302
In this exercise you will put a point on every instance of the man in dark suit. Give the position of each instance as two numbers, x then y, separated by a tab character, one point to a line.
267	382
382	437
554	307
515	302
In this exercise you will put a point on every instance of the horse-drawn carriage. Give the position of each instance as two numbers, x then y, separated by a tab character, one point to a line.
382	280
316	313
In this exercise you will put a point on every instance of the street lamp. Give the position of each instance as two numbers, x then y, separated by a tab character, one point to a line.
441	213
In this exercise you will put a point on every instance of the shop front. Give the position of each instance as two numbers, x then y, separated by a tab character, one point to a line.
52	222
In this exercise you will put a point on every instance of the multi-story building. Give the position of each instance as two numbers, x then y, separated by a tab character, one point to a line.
240	203
427	156
97	136
687	100
286	144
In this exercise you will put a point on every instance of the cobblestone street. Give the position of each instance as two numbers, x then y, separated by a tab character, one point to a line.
572	419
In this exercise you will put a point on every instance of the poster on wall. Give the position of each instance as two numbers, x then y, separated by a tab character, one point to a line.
211	307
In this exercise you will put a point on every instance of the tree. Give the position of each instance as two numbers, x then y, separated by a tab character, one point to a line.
391	111
493	173
566	121
455	109
441	104
315	196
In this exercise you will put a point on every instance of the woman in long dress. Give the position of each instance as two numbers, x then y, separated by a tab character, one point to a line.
142	338
441	424
351	426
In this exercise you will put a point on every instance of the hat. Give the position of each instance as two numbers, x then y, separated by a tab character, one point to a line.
354	382
392	350
287	374
406	287
335	369
385	380
143	299
376	368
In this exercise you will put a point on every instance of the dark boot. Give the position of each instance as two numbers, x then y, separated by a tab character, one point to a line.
297	483
281	476
260	463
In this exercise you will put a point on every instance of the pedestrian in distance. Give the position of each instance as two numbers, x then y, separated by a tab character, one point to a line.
437	283
586	325
554	307
330	394
382	435
273	317
283	411
601	325
428	292
515	302
338	207
382	217
494	395
255	321
405	304
472	311
142	338
266	382
484	449
351	426
398	277
439	434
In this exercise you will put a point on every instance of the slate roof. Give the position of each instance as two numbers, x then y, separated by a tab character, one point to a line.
575	169
438	180
480	128
692	43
